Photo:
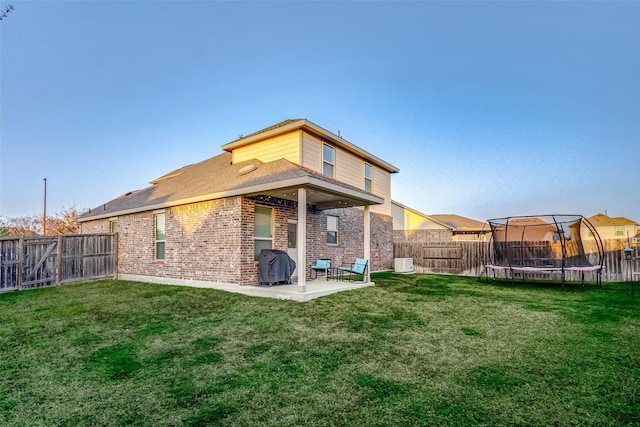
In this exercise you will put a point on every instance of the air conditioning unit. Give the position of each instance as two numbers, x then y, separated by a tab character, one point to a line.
403	265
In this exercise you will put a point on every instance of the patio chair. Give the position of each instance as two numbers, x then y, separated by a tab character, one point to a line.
357	268
322	264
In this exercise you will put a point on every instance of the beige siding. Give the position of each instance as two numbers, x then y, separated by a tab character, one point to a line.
285	146
311	152
349	169
397	212
381	187
405	219
607	232
305	149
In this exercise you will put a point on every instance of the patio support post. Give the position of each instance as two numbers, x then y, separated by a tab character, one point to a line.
367	241
302	239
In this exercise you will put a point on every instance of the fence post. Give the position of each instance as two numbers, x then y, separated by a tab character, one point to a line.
20	261
114	250
59	262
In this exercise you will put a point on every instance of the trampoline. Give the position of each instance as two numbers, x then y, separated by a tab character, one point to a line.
568	245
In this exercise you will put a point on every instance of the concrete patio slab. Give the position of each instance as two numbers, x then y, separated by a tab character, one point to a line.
314	288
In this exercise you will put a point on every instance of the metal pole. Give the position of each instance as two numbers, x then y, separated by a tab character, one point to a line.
44	214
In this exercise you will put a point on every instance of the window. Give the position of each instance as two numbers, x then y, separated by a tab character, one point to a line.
332	230
368	177
263	235
292	235
160	235
328	160
113	226
619	230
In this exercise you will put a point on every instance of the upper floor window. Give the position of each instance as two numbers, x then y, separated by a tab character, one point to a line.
328	160
368	177
160	235
619	230
263	234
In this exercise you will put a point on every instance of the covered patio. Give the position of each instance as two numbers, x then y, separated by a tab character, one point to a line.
312	190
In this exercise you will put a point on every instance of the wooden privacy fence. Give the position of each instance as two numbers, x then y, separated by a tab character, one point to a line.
467	258
35	262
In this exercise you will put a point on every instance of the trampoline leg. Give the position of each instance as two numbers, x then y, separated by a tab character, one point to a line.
599	279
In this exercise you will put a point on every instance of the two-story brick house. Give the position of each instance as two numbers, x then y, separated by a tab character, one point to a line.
293	186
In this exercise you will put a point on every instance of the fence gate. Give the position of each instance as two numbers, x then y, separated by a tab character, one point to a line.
35	262
40	262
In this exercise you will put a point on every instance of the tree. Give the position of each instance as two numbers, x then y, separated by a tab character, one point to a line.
4	12
62	222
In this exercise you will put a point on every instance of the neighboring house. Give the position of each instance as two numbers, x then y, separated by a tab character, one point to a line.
293	186
412	225
527	229
613	228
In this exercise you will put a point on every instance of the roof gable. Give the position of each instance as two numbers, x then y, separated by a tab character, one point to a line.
308	126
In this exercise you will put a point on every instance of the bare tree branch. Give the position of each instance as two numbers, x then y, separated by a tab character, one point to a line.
5	11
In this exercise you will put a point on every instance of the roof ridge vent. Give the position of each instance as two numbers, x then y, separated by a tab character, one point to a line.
247	169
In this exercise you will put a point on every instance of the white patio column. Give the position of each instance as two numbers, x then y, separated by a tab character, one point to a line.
367	240
302	239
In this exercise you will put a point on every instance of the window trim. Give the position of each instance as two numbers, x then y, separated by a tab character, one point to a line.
368	179
155	236
263	239
112	223
337	230
331	163
291	222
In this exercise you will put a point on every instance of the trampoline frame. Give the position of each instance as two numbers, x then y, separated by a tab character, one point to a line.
490	263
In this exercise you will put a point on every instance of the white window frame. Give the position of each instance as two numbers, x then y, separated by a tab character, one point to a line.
291	223
331	163
368	179
336	231
618	230
260	238
155	236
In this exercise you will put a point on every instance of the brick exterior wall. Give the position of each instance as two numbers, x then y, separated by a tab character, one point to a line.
350	238
214	240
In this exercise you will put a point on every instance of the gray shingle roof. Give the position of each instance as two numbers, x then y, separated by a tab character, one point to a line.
459	223
601	220
210	179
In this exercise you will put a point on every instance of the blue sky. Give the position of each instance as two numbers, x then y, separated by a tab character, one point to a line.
489	109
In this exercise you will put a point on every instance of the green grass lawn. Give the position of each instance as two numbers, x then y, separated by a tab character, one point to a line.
413	350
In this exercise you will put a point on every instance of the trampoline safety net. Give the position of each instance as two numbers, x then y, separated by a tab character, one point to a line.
544	242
